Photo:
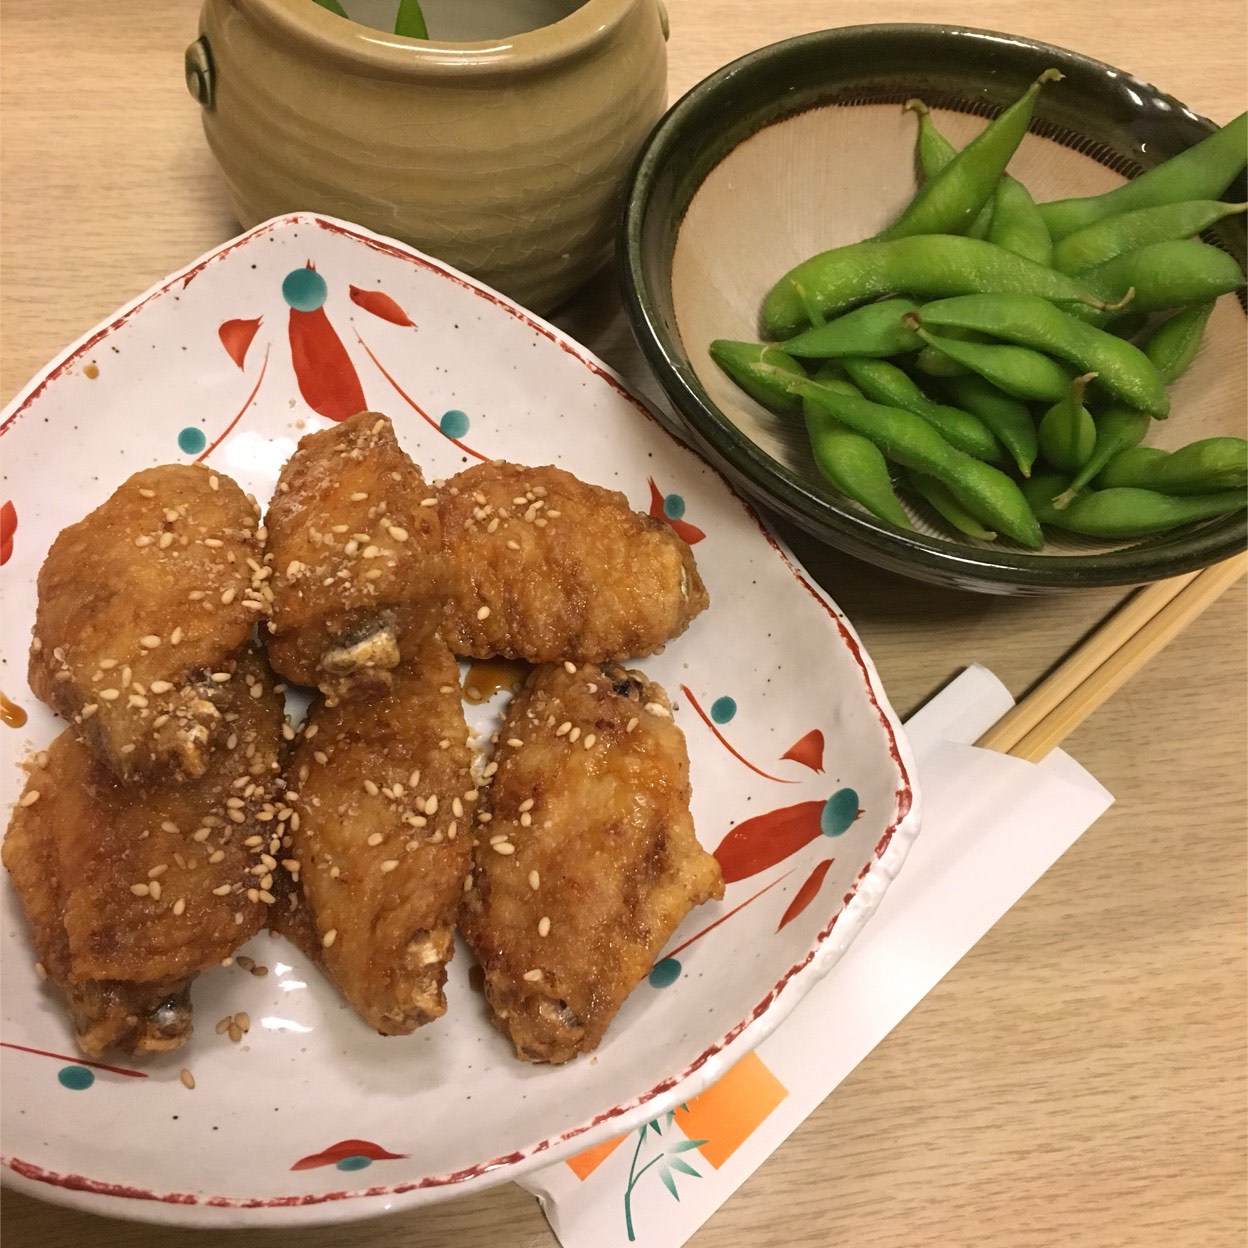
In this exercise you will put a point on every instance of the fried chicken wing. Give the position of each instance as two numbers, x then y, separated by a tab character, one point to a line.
356	559
140	603
131	890
381	836
588	859
137	1017
545	567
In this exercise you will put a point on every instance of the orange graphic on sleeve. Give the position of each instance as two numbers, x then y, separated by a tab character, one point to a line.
730	1111
725	1116
584	1164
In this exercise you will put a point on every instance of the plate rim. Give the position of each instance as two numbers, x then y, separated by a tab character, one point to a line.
826	948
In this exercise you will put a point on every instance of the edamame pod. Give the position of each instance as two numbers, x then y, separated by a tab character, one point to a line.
1106	239
925	267
1124	512
1019	371
942	501
885	383
1164	276
1174	344
1066	433
1122	369
854	465
1016	223
1202	172
1201	467
1008	418
910	441
931	363
737	359
1127	325
950	201
934	153
1171	348
1117	429
872	330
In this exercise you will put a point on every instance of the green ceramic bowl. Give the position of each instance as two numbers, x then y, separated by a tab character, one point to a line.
804	145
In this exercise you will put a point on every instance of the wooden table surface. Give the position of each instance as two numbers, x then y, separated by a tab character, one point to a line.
1080	1077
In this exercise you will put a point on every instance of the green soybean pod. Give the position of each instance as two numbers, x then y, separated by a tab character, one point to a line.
1202	172
1163	276
1123	369
1128	325
951	200
885	383
1172	347
1006	416
1019	371
1201	467
1174	344
933	363
872	330
934	153
1117	429
1066	433
1113	236
738	359
1124	512
992	497
941	499
1016	223
854	465
924	267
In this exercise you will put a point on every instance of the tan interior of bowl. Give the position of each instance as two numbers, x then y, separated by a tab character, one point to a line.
835	175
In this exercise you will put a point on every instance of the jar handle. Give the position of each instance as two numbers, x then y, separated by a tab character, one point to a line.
200	73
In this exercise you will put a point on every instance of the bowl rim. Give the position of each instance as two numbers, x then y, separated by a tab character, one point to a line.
733	452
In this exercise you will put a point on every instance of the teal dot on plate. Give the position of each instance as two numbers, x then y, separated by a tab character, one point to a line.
75	1078
191	440
454	423
839	813
354	1163
673	506
723	709
664	974
304	289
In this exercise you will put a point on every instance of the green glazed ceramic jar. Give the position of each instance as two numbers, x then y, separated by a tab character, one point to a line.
505	157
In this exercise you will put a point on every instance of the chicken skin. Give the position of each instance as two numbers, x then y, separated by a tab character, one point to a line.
143	607
585	858
545	567
131	890
355	545
382	842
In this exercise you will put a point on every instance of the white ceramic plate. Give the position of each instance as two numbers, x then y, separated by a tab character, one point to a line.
314	1118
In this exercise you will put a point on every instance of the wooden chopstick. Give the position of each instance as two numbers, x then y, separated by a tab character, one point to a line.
1108	659
1012	727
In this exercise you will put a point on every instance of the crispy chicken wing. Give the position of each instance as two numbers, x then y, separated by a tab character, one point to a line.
140	604
356	559
381	836
545	567
587	860
137	1017
131	890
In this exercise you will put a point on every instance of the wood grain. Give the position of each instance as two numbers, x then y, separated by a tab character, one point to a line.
1080	1077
